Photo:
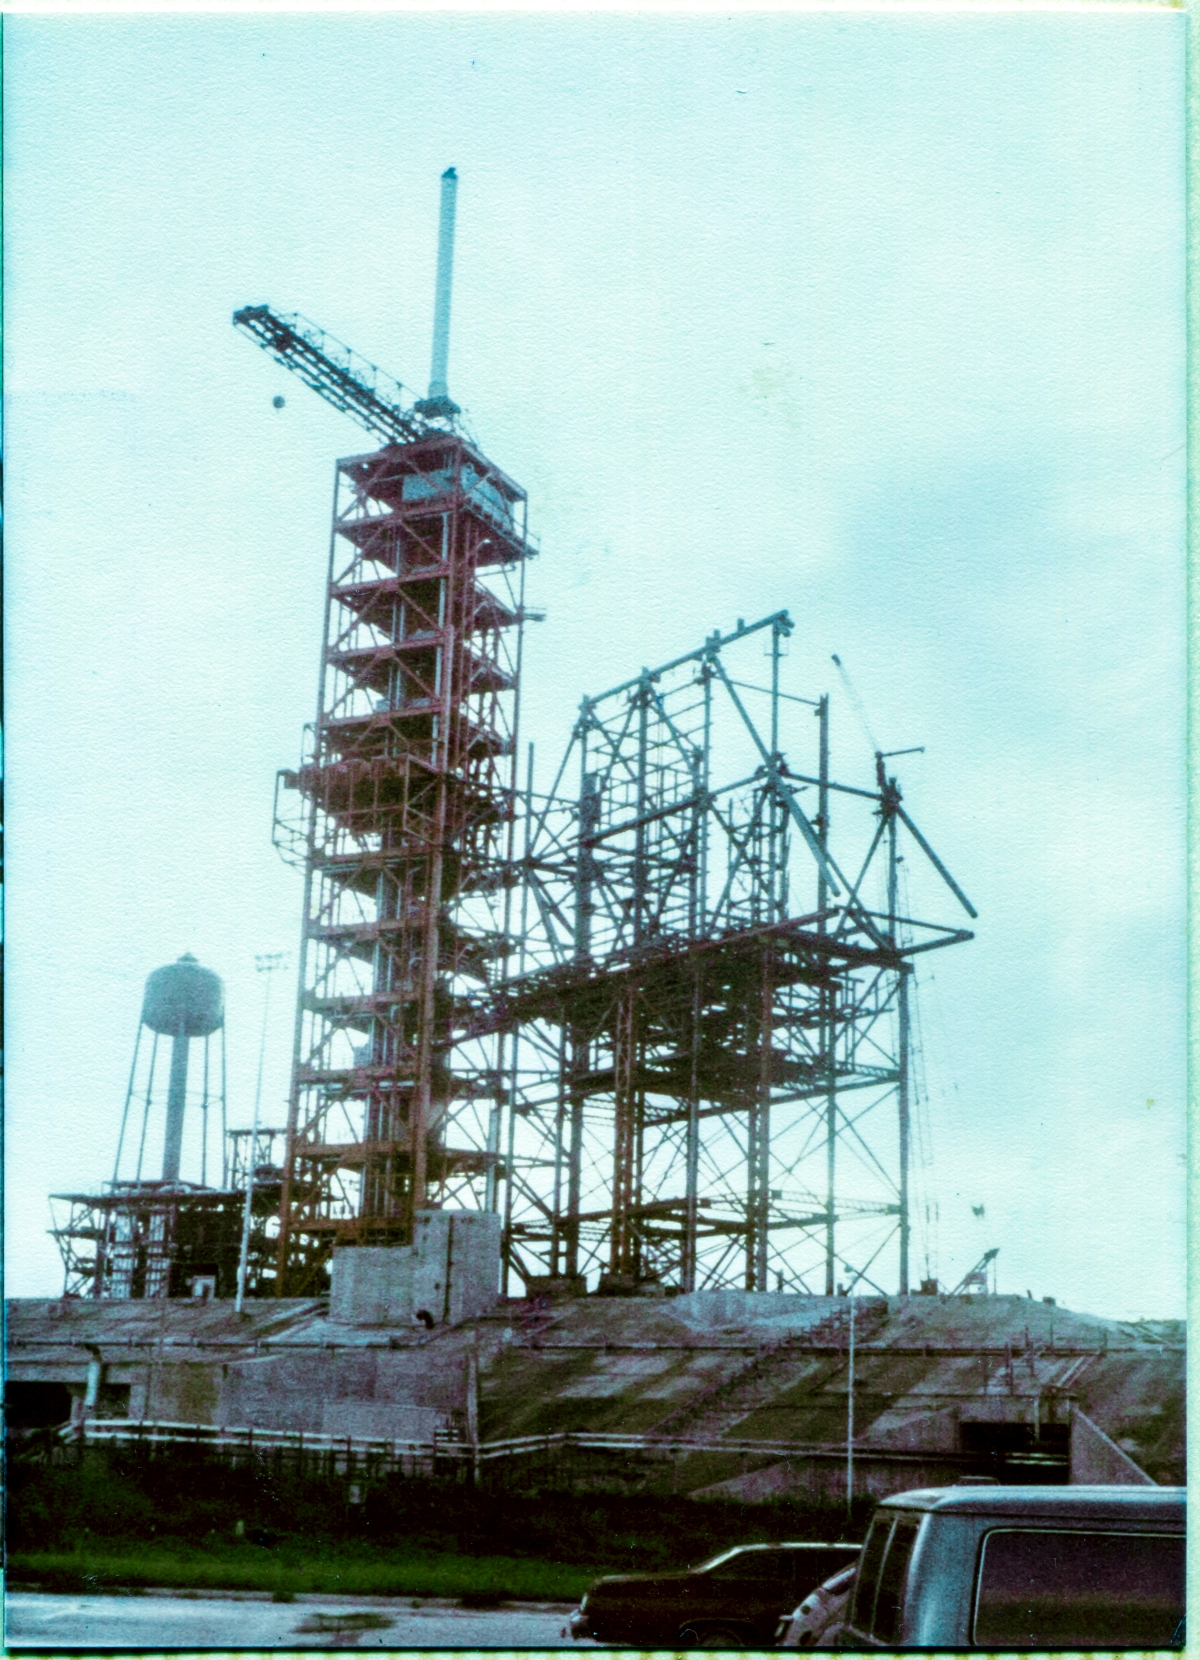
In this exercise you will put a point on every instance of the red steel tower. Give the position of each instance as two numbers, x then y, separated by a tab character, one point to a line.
401	813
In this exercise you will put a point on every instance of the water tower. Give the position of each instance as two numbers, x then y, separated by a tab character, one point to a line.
182	1001
159	1228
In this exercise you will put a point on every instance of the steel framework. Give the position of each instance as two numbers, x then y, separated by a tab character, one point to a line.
402	817
156	1237
707	1017
333	370
149	1239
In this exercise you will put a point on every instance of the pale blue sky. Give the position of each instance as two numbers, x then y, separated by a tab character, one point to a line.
879	318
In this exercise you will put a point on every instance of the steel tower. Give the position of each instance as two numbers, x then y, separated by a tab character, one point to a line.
405	795
400	811
709	1014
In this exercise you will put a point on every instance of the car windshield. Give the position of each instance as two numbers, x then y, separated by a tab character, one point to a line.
717	1561
756	1559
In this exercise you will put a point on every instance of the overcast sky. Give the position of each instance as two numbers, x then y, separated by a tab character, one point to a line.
878	318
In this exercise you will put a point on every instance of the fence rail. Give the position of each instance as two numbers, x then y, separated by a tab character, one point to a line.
403	1454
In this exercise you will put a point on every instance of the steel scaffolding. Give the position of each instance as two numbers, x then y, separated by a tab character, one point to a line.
706	1018
401	814
149	1239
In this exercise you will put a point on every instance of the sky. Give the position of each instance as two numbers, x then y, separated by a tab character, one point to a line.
878	318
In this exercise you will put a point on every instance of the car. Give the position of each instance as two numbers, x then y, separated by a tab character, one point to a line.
1071	1567
730	1601
820	1610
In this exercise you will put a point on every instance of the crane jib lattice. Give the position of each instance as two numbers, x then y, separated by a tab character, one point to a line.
335	372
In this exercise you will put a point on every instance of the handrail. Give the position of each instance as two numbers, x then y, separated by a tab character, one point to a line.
251	1438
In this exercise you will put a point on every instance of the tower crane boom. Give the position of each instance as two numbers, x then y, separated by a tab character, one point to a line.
343	378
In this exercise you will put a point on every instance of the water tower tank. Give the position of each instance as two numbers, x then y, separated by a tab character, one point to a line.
184	999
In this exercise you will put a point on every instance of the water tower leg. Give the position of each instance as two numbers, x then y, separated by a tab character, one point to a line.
176	1096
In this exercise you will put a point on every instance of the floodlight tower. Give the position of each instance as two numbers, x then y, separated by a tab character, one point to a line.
401	809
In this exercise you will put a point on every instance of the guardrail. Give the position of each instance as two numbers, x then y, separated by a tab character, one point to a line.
249	1440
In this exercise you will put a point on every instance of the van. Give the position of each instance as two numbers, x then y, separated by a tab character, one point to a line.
1021	1568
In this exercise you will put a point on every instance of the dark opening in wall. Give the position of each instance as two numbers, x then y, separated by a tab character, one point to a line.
113	1401
1018	1453
35	1405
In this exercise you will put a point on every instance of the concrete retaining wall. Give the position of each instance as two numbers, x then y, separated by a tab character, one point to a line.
1098	1462
382	1420
823	1481
322	1392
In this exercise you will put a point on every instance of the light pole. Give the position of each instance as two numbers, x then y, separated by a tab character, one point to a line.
850	1405
266	964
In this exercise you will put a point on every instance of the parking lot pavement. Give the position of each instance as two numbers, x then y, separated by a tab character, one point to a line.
35	1620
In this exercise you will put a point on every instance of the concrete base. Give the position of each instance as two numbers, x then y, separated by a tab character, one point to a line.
740	1308
450	1273
397	1394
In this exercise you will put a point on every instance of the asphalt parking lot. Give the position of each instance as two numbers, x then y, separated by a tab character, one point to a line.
35	1620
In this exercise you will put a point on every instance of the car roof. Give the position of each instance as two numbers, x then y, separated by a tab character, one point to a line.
1130	1503
800	1544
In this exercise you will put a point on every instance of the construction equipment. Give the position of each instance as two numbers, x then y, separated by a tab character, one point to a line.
335	371
669	1069
976	1279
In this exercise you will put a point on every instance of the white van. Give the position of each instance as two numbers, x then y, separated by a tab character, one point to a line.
1021	1568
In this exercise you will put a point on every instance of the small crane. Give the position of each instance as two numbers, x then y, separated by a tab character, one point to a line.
977	1278
374	399
342	378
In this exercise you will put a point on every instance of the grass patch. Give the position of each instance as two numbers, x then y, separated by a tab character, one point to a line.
292	1567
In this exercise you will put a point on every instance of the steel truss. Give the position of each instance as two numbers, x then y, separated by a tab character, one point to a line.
707	1021
149	1239
402	817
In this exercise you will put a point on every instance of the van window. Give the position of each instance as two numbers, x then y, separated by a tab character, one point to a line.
1039	1589
890	1598
868	1573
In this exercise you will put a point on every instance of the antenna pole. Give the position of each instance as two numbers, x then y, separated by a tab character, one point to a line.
850	1411
438	402
266	964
